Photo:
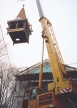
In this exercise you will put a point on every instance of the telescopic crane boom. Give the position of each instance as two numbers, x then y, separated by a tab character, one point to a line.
56	61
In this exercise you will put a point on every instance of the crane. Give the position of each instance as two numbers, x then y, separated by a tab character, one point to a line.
60	90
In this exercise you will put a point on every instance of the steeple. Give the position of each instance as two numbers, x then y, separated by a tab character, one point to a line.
21	13
19	29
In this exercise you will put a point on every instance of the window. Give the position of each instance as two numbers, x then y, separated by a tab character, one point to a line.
21	86
39	91
32	94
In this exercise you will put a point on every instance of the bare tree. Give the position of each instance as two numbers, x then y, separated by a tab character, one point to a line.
7	85
7	72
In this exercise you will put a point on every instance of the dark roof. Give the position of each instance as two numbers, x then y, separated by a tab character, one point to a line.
46	76
16	20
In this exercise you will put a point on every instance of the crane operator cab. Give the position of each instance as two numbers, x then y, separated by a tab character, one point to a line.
36	98
30	98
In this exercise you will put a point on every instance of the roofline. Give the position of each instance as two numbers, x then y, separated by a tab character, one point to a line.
16	20
70	66
27	70
33	66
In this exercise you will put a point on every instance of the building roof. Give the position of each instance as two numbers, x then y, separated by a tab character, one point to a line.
37	65
33	67
33	72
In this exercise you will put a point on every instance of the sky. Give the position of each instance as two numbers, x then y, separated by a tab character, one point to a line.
63	16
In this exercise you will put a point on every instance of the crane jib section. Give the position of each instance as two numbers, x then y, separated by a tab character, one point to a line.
54	54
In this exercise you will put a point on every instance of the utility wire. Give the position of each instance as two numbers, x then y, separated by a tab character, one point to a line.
71	64
5	45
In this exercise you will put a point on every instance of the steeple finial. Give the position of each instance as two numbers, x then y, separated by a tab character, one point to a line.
23	5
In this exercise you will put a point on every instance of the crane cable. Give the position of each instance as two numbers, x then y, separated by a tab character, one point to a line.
42	50
41	66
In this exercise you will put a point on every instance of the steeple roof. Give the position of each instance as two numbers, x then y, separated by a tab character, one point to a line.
21	14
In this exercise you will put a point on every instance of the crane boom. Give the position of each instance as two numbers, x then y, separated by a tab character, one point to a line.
55	58
54	54
56	70
41	14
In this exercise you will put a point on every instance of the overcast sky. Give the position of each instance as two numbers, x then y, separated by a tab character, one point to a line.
63	16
